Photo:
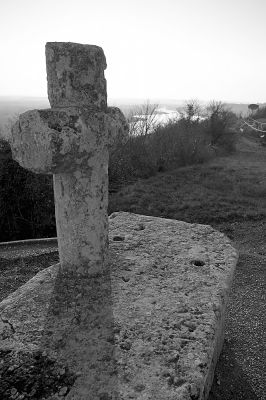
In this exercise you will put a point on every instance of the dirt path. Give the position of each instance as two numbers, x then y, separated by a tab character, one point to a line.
240	373
20	263
241	370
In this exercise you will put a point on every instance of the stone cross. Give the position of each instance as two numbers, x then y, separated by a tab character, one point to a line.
71	141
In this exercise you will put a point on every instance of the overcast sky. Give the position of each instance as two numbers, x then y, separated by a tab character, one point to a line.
167	49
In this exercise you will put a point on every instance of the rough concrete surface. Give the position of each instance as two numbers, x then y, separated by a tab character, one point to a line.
149	327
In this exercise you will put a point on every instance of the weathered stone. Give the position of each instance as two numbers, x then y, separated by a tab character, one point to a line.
146	323
65	140
156	335
71	141
75	74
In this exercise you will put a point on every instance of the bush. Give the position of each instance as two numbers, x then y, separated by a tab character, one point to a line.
26	202
177	144
219	126
130	160
188	140
260	113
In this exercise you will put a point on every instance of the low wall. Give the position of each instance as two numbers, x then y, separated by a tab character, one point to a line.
27	242
151	327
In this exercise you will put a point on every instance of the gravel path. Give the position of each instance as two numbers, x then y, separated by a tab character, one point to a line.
241	370
18	264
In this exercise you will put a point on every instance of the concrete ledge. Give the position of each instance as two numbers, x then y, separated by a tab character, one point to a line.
151	327
27	242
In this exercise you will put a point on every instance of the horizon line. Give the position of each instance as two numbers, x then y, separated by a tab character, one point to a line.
138	99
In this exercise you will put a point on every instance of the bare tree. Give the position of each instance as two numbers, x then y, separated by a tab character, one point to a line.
221	121
253	107
142	119
192	110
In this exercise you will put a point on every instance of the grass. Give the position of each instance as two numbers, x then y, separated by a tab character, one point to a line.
223	190
178	143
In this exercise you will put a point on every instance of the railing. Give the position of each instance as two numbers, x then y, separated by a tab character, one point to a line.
254	125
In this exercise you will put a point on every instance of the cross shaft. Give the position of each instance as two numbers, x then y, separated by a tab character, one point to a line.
71	141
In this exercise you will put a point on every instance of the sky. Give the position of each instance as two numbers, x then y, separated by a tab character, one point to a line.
155	49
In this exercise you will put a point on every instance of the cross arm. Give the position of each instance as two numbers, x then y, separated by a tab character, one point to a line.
63	140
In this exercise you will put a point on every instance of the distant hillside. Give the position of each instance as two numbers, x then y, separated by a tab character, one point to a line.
239	108
11	106
127	104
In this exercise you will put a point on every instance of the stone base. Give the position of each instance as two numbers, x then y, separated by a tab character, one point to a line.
150	327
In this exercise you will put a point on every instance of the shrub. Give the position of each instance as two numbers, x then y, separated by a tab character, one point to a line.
260	113
177	144
26	202
219	126
188	140
130	160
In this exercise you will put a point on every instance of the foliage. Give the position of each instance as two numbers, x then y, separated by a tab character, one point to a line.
193	110
26	199
26	202
156	148
220	126
253	107
260	113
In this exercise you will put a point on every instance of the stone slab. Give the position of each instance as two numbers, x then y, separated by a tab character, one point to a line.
149	327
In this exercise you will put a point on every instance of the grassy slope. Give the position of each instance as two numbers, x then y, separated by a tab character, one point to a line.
228	193
228	189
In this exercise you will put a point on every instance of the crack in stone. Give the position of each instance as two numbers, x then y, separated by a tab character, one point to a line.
9	323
